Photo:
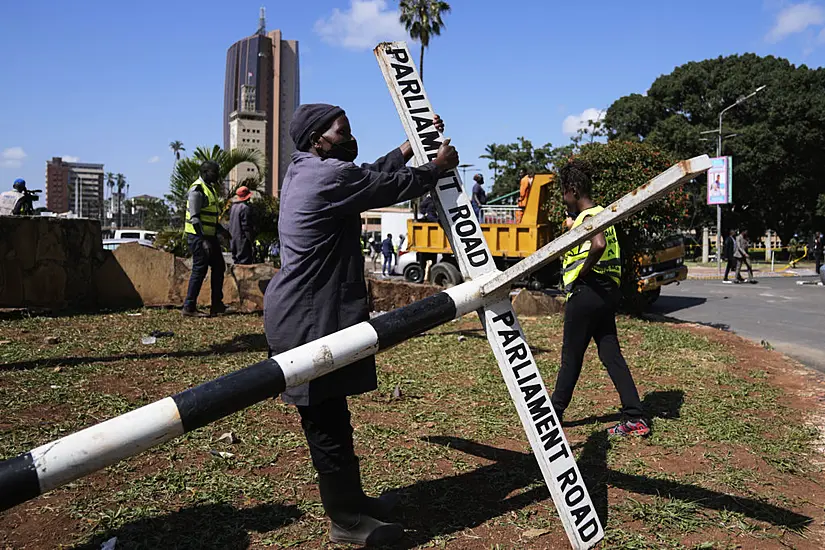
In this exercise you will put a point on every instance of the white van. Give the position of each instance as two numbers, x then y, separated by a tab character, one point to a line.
137	234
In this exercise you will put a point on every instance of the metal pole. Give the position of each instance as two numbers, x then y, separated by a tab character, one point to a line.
718	206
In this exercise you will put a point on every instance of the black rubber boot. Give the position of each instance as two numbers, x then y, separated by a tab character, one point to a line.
380	507
346	505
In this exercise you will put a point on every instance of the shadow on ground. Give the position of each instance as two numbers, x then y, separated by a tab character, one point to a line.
448	505
669	304
207	527
238	344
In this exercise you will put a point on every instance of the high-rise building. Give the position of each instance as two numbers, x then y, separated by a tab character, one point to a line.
75	187
266	65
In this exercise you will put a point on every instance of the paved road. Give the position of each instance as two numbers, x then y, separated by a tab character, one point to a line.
789	316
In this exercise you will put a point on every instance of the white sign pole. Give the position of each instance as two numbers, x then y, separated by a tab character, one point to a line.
519	369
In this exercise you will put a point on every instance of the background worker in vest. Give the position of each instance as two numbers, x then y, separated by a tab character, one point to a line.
202	230
320	290
240	227
592	275
523	192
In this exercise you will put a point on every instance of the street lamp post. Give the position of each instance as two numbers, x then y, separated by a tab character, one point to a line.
719	154
464	168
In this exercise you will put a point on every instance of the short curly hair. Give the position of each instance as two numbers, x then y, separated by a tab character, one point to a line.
576	176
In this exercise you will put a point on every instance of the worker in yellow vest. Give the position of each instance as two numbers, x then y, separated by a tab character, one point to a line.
202	229
592	276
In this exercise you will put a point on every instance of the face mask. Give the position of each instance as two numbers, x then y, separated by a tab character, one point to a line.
346	151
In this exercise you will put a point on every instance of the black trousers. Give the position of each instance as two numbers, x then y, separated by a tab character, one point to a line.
328	431
591	313
201	262
731	266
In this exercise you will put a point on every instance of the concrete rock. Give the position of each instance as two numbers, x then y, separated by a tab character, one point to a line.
389	295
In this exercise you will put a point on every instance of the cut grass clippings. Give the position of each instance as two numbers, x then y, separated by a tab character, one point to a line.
728	465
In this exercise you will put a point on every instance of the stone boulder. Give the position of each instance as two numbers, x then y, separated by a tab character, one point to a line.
531	303
162	279
48	262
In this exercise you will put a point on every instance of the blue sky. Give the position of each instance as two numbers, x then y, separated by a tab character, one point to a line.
115	82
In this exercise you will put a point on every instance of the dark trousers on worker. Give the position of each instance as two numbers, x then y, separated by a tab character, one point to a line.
329	434
590	313
201	262
818	262
731	266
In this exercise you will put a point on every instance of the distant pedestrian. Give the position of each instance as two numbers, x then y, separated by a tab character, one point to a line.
388	250
375	250
240	227
727	253
742	257
818	250
479	198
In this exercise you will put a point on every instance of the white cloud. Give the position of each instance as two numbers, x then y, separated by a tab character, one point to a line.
70	158
362	27
12	157
574	123
153	160
795	19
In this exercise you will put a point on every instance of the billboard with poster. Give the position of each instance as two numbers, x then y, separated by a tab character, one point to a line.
720	180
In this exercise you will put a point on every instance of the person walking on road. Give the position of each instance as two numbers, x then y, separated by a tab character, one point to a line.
727	253
320	289
592	275
240	227
819	249
742	257
202	229
388	250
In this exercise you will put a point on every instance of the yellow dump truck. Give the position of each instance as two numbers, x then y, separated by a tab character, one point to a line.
510	242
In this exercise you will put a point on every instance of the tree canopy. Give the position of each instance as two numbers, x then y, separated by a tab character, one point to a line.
780	134
508	162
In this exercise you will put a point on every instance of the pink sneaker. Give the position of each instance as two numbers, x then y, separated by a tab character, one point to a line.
630	427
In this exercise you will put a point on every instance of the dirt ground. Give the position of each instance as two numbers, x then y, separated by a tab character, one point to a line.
735	461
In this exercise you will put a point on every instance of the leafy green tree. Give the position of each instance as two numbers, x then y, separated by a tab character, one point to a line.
423	19
152	213
509	161
780	134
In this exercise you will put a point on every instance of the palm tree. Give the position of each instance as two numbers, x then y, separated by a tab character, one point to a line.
121	183
188	170
176	147
110	183
422	19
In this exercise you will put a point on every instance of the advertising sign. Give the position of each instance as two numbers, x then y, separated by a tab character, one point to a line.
720	180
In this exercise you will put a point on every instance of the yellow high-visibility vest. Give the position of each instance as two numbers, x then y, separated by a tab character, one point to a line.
610	264
209	211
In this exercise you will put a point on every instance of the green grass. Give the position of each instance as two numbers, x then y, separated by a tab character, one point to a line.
729	463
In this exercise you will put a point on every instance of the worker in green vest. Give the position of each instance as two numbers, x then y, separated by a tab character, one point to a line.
202	230
592	276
